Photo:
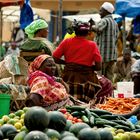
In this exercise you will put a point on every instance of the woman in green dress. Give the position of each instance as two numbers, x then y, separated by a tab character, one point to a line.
37	41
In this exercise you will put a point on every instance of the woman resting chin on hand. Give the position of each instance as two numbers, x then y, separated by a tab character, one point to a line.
45	90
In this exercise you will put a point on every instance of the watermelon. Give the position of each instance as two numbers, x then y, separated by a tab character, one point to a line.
36	118
105	134
68	125
8	130
89	134
57	121
36	135
70	138
52	134
75	128
66	133
1	135
20	135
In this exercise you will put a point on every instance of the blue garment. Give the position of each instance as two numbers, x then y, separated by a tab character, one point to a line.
136	29
127	8
26	15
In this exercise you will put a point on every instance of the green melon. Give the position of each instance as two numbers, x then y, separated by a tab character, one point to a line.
66	133
1	135
36	135
68	125
89	134
57	121
70	138
75	128
105	134
21	135
52	134
7	130
36	118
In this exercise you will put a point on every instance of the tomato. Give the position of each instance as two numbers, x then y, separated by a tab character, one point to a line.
70	117
63	110
66	116
79	120
74	119
73	122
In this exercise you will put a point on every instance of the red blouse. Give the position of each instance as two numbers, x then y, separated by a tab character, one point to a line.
78	50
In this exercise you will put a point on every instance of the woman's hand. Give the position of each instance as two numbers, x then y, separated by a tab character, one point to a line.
66	86
60	80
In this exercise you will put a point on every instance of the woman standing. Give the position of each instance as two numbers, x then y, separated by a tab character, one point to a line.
82	59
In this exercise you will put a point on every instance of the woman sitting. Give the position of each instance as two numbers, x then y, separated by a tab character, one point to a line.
46	90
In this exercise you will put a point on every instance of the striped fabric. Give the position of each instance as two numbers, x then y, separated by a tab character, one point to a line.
82	80
107	38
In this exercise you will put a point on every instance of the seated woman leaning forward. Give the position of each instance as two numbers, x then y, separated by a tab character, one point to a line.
45	90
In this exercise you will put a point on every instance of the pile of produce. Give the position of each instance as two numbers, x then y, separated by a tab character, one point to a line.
16	119
120	105
70	123
102	118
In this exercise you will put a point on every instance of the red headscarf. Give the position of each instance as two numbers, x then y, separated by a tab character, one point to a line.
35	65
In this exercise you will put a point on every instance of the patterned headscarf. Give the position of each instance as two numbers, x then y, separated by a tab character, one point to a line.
35	26
35	65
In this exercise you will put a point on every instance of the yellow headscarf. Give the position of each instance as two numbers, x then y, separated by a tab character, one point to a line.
69	35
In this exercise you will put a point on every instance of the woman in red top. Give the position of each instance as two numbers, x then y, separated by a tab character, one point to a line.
81	59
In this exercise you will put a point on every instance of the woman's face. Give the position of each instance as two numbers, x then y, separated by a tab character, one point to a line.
48	66
43	33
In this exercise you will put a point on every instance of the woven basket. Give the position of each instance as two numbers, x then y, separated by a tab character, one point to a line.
3	71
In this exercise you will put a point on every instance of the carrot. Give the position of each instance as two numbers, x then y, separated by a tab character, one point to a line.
119	105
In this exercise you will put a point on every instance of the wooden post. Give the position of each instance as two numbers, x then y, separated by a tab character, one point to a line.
124	34
60	19
0	26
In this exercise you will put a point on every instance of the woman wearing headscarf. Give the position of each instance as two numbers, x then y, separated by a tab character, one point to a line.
45	90
82	58
37	33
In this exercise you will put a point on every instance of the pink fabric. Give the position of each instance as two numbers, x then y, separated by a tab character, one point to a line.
47	87
106	91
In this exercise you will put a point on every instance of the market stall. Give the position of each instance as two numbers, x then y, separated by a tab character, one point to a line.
127	8
71	123
117	118
11	18
7	3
